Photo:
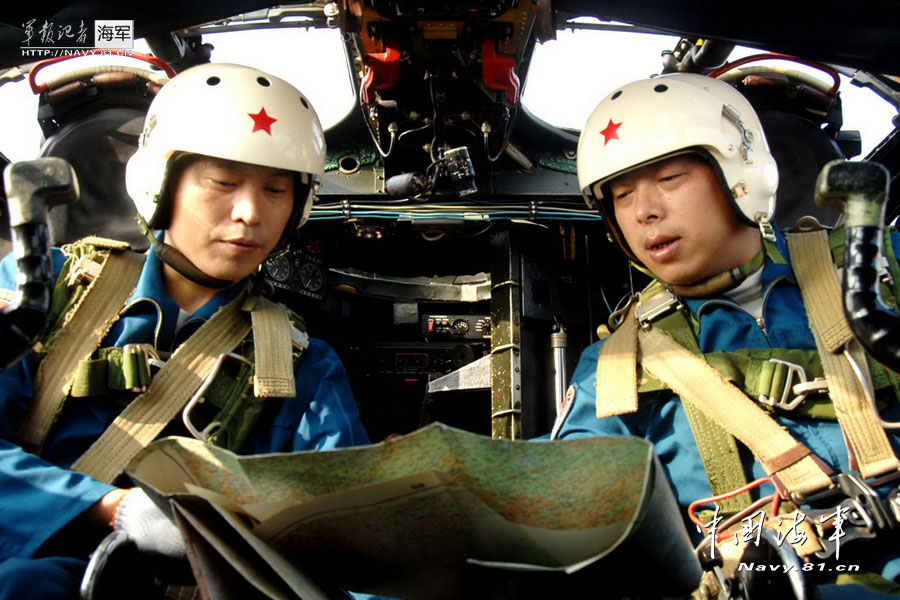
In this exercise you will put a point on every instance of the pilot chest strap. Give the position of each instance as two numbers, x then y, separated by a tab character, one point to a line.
87	322
867	442
148	414
145	417
190	365
679	363
700	385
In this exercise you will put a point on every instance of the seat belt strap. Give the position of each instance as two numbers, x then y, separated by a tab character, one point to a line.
273	351
812	263
148	414
696	382
616	394
616	380
85	327
721	459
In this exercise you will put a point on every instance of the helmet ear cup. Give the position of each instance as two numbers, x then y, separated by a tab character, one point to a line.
144	176
304	194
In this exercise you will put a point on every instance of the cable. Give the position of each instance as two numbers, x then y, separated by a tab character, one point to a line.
774	55
392	128
774	498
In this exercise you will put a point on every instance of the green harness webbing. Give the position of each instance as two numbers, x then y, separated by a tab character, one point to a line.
718	448
867	443
767	375
91	315
148	414
274	350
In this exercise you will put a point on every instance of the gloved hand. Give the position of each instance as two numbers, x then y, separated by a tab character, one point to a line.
145	524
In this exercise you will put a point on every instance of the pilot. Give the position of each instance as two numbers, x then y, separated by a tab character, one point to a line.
715	361
228	163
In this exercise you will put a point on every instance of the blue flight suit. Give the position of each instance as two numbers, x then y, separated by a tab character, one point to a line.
40	496
661	419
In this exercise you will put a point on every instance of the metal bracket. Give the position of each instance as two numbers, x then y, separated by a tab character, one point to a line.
658	306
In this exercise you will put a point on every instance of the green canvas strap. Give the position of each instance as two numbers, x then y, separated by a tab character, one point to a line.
718	448
789	462
274	373
867	442
232	402
148	414
116	369
616	393
92	314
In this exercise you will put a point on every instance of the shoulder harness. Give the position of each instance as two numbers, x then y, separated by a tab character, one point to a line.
660	330
199	372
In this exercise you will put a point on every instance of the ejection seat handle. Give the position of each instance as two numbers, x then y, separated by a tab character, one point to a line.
31	188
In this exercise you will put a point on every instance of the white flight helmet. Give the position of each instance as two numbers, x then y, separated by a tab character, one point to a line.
232	112
657	118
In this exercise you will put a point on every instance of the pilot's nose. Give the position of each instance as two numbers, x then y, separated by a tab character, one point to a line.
247	203
648	205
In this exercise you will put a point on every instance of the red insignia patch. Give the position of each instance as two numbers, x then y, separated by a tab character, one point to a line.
262	121
611	132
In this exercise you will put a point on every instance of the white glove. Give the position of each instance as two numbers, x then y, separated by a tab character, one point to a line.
149	527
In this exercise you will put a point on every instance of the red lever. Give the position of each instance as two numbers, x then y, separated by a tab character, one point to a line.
498	70
382	72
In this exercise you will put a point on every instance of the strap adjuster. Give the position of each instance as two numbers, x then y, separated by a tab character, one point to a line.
656	307
198	397
799	391
137	360
84	269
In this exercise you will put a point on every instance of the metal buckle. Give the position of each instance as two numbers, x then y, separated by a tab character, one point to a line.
84	269
867	514
768	232
146	357
198	397
799	390
648	311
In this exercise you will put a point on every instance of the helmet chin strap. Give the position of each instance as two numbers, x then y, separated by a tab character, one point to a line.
722	282
178	261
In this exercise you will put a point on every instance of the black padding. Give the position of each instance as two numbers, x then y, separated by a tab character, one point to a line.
801	149
98	146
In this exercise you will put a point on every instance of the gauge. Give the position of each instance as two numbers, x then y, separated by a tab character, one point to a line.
311	277
279	268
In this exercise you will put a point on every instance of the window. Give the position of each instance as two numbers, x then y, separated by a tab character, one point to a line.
311	59
568	77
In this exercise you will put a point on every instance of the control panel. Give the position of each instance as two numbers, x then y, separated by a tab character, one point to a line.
461	327
301	270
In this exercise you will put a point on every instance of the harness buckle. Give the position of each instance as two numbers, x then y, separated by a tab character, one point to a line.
863	514
137	360
83	270
799	390
656	307
198	398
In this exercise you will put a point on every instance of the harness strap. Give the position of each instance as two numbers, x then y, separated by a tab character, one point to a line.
617	369
721	459
821	291
148	414
273	351
86	325
696	382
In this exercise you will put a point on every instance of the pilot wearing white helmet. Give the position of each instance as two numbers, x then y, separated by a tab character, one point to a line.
227	168
719	361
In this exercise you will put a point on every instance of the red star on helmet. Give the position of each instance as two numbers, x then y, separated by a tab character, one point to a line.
611	132
262	121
